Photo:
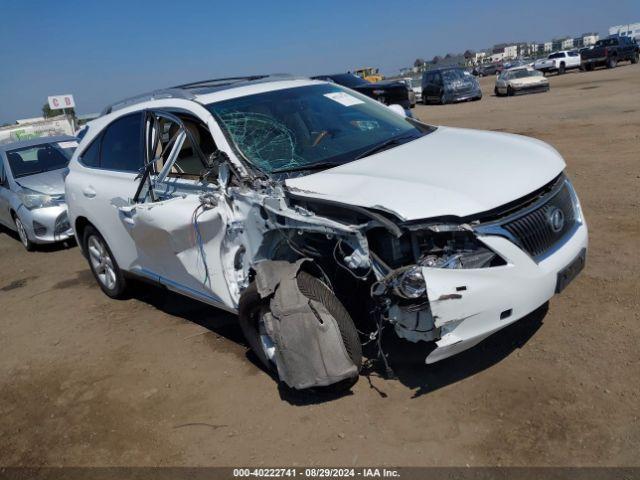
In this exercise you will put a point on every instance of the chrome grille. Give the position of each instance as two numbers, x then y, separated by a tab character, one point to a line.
535	230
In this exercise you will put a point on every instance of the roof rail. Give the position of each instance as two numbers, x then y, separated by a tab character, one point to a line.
216	82
145	97
183	91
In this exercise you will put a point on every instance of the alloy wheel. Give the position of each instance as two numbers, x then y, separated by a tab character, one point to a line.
101	262
22	232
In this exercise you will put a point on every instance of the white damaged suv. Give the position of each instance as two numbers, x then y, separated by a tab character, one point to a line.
321	217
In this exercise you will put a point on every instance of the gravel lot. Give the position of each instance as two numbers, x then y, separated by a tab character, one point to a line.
161	380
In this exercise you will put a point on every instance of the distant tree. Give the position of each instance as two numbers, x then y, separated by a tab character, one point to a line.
468	54
419	62
437	59
48	113
448	56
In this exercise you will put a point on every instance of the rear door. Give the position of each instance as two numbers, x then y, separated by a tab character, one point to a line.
5	193
106	180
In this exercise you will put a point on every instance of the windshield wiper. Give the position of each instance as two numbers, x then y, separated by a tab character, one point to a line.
311	166
391	142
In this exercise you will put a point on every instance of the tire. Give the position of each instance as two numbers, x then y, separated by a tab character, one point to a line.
510	91
22	234
561	69
635	58
252	306
103	264
496	92
612	62
589	67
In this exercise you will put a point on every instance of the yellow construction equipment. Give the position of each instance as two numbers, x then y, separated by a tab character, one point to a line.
370	74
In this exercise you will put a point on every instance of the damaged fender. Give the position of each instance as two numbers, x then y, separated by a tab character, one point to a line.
309	348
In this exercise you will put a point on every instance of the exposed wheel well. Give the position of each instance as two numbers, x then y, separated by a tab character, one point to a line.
13	214
80	226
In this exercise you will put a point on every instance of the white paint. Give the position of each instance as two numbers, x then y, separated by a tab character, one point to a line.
451	171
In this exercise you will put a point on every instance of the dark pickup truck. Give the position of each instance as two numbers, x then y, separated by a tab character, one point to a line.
609	51
387	92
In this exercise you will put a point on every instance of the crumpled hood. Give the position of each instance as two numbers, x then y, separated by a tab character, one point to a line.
50	183
451	171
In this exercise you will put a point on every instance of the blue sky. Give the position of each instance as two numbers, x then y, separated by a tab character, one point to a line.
103	51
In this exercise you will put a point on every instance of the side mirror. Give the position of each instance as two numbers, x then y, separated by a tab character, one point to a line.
398	109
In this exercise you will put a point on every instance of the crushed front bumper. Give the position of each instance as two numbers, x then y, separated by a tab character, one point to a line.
47	224
469	305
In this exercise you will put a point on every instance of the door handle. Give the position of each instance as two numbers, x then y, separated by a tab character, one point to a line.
89	192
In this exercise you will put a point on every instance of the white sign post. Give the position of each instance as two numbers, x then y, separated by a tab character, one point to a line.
62	102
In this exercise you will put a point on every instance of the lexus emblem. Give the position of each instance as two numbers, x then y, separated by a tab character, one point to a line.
555	217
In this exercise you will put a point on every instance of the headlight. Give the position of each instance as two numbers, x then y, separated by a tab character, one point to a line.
32	199
411	284
451	246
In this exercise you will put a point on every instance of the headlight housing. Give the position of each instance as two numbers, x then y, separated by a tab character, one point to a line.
411	284
32	199
450	246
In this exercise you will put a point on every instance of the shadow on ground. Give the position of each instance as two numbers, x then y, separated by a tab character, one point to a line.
46	247
407	360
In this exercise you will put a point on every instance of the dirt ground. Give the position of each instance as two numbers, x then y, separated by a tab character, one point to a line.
161	380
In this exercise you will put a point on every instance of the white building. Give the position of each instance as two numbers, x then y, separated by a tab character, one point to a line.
547	47
479	57
629	30
28	128
511	51
589	39
567	44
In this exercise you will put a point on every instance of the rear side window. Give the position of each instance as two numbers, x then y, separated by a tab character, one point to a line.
122	145
91	156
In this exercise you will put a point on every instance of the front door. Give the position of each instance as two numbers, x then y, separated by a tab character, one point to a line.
177	221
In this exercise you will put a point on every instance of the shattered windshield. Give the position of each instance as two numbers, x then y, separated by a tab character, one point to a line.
306	127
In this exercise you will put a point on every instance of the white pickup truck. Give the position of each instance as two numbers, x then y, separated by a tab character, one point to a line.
558	62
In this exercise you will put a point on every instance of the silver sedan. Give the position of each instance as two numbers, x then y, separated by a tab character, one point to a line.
32	189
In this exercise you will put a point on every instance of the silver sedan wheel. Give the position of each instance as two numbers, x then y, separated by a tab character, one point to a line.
22	232
101	262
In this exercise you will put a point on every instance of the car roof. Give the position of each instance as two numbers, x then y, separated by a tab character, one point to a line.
36	141
208	91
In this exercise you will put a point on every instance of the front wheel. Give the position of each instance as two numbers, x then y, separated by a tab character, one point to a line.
252	309
612	62
22	233
635	58
510	91
103	265
561	69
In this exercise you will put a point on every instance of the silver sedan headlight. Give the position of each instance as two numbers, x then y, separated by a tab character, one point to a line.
32	199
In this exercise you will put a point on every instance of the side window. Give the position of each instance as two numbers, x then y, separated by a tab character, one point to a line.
122	145
91	156
2	174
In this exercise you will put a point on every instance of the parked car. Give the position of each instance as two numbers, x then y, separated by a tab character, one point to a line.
415	85
32	200
413	97
388	92
447	85
308	208
610	51
520	80
487	69
558	62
